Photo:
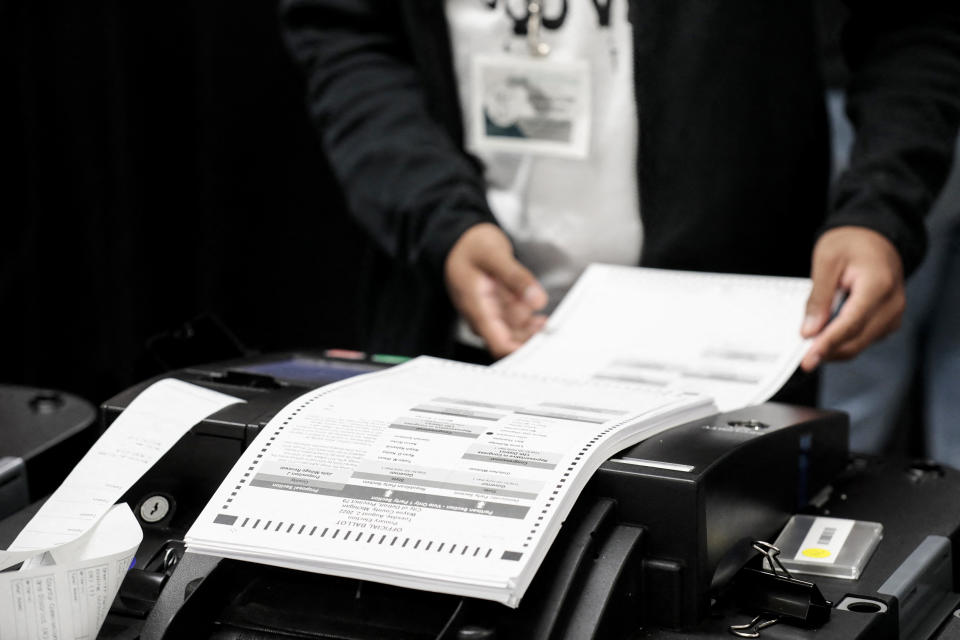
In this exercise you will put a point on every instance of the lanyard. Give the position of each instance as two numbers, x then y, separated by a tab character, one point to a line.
538	48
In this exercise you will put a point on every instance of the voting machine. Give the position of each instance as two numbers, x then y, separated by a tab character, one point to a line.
654	547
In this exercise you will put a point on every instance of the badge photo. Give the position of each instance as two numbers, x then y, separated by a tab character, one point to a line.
530	106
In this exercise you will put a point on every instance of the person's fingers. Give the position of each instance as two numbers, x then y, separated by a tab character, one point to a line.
873	331
486	246
883	321
480	307
849	322
463	276
825	272
516	313
867	266
493	292
520	320
873	309
498	337
503	267
523	333
485	306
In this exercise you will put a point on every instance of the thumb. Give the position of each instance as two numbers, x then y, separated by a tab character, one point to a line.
826	274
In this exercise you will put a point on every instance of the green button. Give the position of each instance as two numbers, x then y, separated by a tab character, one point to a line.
386	358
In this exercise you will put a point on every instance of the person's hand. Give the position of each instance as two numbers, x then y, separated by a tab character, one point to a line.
866	266
496	295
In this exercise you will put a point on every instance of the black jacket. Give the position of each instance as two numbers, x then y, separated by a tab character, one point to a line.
733	154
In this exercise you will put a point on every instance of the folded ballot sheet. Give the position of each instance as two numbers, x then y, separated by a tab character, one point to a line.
456	478
735	338
433	474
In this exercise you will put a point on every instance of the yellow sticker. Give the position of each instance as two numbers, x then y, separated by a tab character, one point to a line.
814	552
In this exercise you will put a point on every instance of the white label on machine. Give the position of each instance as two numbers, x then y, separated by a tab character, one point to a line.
824	540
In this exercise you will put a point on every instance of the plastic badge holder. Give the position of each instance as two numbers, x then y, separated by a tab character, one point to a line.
832	547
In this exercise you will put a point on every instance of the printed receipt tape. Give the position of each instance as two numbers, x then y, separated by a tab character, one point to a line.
71	599
90	540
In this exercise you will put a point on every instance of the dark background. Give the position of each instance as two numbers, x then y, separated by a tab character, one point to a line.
159	167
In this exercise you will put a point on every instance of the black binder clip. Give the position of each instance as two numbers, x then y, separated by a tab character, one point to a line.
777	596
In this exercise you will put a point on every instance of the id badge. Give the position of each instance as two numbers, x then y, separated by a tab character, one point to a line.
530	106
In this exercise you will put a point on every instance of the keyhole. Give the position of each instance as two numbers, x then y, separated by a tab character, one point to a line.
155	508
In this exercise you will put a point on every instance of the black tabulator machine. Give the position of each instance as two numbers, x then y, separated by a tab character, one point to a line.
650	550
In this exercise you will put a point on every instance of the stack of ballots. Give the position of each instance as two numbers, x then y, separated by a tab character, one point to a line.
456	478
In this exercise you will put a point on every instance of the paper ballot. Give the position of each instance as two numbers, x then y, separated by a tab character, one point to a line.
433	474
78	546
735	338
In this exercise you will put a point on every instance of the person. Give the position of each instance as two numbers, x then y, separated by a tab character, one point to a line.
874	388
725	139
